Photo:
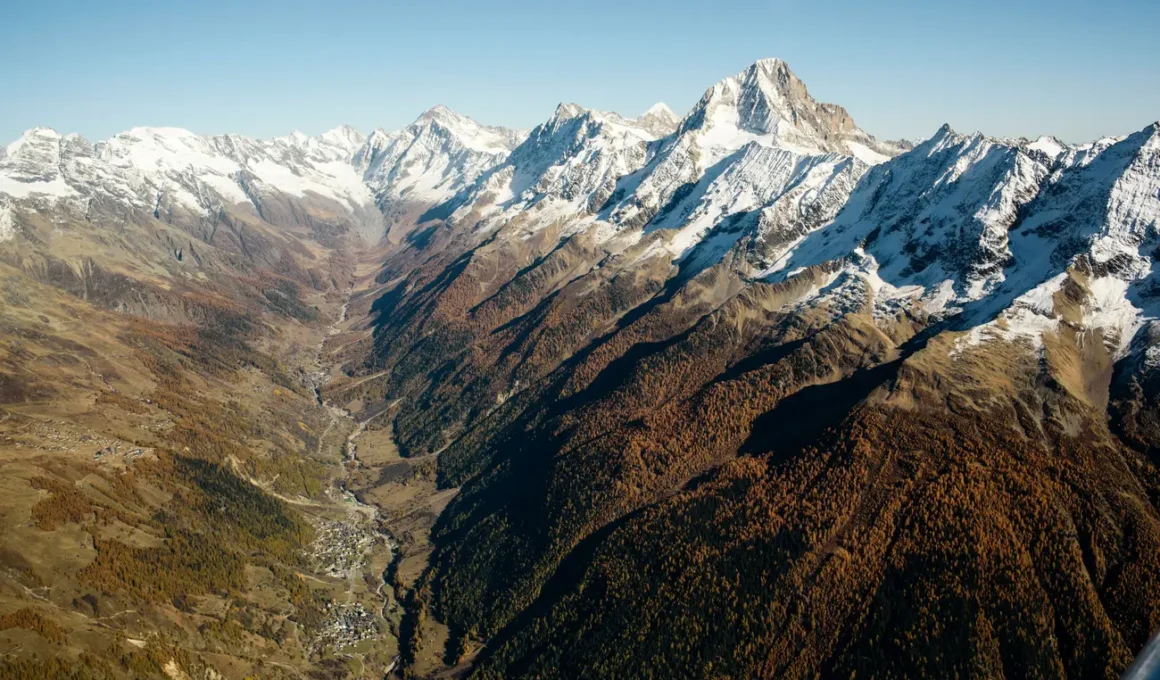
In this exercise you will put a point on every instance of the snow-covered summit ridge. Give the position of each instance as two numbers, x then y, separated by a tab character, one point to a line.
145	166
1013	239
151	166
662	110
765	105
473	135
566	166
431	160
436	158
768	104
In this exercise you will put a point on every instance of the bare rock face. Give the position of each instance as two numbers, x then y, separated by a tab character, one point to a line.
659	120
768	99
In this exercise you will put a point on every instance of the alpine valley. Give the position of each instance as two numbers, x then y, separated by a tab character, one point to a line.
747	393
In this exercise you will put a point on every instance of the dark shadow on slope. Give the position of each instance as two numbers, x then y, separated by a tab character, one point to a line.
690	194
568	574
421	238
520	274
383	309
626	185
620	369
798	421
444	210
768	355
801	418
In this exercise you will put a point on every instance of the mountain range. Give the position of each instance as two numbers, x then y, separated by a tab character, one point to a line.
743	393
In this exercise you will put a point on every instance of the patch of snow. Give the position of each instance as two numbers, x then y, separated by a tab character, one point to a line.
866	154
225	187
7	223
283	178
14	148
53	189
1028	318
1050	146
1108	307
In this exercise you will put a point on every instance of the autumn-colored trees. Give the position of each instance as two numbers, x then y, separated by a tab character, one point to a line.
904	544
713	485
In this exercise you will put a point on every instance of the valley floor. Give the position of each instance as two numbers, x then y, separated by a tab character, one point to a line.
91	465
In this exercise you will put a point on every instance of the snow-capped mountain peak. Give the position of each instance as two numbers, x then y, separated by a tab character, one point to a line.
659	119
660	109
768	104
442	114
344	136
31	166
567	110
466	131
765	105
430	161
29	136
171	170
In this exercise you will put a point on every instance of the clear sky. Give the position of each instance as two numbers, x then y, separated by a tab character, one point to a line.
1076	69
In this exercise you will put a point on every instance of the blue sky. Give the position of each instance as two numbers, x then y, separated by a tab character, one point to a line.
1078	70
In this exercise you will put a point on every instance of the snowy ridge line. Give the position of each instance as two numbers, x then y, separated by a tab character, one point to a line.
1014	237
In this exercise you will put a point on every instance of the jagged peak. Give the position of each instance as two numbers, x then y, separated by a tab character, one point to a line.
466	130
566	110
766	101
607	122
1153	141
378	136
770	64
770	71
947	136
946	131
659	120
438	112
446	117
1048	145
762	98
